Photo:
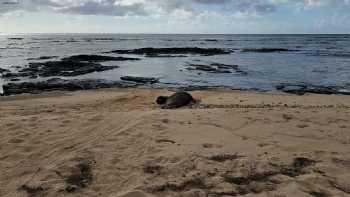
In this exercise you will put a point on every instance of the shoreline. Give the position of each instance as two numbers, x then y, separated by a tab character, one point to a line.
169	90
270	99
58	84
119	143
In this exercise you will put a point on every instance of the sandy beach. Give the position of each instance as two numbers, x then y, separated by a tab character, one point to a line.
119	143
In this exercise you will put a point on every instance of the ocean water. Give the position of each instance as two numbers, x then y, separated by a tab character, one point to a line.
313	59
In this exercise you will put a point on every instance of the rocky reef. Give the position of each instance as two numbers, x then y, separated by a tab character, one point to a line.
154	52
63	85
66	68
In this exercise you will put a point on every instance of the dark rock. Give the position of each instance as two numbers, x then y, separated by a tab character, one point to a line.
319	194
216	68
292	89
43	58
2	70
71	188
224	157
14	79
225	66
184	50
33	77
164	56
72	40
176	100
15	75
150	80
98	58
301	89
254	177
58	68
194	182
255	182
61	84
267	50
151	168
15	38
303	162
211	40
297	167
194	88
63	68
99	39
31	191
206	68
81	178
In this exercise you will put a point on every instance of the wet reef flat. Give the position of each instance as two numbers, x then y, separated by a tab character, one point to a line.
289	63
173	51
98	58
57	84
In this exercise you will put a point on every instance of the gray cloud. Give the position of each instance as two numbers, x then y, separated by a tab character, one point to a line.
107	8
258	6
255	6
149	7
82	7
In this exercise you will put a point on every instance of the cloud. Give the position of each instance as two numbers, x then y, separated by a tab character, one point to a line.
232	6
108	7
80	7
150	7
325	2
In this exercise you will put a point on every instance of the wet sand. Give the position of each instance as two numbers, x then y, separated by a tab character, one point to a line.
117	142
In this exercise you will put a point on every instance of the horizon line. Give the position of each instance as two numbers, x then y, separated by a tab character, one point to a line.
7	33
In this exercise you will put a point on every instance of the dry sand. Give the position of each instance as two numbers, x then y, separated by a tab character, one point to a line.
117	143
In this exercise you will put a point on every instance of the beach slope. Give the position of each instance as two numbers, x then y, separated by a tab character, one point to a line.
117	143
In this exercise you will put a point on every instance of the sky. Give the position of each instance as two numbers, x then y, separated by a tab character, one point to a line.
175	16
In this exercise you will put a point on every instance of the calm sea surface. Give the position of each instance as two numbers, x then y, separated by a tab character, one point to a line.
315	59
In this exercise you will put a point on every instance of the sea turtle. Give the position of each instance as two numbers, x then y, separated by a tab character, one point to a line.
176	100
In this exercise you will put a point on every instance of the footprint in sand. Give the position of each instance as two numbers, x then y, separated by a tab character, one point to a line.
133	194
264	144
165	121
10	124
158	127
66	121
287	117
15	141
165	141
302	126
209	145
96	118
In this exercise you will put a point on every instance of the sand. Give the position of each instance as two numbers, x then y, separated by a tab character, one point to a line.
118	143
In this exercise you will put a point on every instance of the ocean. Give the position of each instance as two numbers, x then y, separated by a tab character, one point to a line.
322	60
